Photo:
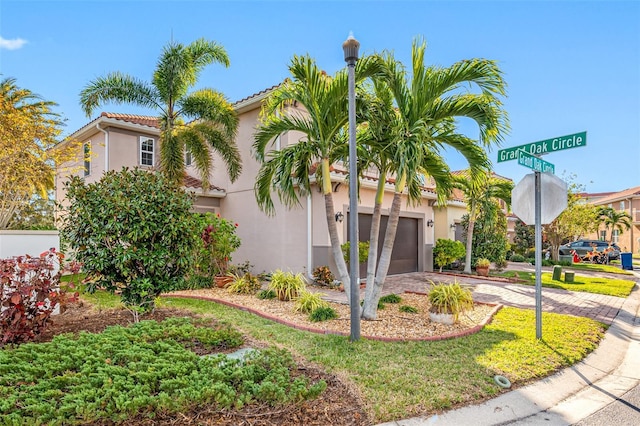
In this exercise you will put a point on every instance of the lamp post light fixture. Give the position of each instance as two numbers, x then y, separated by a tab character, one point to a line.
350	48
339	217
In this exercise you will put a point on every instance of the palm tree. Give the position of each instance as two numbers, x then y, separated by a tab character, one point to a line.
614	220
289	171
202	121
426	105
477	187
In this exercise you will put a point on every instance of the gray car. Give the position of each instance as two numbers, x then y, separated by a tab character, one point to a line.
582	247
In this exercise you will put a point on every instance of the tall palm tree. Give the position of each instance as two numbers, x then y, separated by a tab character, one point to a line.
426	105
289	171
201	121
477	187
614	220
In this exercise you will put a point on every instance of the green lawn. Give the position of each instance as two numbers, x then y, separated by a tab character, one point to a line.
608	286
400	380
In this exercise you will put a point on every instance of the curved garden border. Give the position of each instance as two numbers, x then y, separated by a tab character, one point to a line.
452	335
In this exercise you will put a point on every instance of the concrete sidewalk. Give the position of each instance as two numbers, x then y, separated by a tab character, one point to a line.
574	393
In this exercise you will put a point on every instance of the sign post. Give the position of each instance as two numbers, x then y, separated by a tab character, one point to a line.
555	194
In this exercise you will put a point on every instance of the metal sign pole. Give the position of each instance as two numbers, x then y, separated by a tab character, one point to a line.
538	232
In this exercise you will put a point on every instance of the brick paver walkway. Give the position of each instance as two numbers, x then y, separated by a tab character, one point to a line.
597	306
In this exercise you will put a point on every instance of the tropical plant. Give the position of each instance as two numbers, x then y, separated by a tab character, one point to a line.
133	232
244	284
411	122
450	299
266	295
322	275
308	302
391	298
524	237
408	309
287	285
478	188
218	241
489	232
201	122
614	220
320	117
28	134
483	262
447	251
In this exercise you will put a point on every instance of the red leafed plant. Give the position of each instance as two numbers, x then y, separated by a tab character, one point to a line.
29	293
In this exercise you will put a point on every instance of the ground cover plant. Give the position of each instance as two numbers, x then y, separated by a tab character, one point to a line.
146	370
598	285
400	380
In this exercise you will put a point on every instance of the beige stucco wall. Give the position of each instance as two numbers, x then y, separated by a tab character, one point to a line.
445	217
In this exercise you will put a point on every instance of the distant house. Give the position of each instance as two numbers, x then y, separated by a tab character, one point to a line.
627	201
295	239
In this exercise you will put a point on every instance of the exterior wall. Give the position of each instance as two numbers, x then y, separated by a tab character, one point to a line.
445	217
124	149
18	243
629	240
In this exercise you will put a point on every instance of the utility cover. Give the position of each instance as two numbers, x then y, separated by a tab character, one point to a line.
553	195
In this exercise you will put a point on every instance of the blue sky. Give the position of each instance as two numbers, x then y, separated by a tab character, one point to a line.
571	66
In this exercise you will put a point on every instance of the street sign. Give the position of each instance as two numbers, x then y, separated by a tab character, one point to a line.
546	146
535	163
553	202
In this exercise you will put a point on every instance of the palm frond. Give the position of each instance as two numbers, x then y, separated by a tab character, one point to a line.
118	88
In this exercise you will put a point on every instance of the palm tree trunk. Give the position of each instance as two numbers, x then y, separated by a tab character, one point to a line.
472	223
373	250
336	251
371	305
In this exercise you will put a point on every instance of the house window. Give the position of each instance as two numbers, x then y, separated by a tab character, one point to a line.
87	158
188	158
603	235
146	151
621	205
615	234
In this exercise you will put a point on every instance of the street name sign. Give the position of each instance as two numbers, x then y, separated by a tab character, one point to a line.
535	163
546	146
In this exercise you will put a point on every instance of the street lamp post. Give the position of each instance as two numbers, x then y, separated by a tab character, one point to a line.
350	47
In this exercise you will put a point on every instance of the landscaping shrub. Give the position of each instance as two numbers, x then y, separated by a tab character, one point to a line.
450	299
267	294
391	298
323	276
29	293
517	258
363	251
216	243
323	314
408	309
308	302
447	251
133	232
286	285
244	284
134	371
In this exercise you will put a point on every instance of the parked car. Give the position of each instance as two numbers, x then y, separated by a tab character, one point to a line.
582	247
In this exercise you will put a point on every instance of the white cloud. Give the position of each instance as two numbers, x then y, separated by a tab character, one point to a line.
14	44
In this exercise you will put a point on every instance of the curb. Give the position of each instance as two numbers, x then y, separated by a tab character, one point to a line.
256	312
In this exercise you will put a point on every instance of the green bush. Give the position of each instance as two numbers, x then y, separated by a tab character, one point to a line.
286	285
266	294
517	258
391	298
323	276
323	314
408	309
363	251
447	251
126	372
133	232
450	299
244	284
308	302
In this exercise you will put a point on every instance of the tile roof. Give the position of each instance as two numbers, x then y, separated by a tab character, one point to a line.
143	120
191	182
621	195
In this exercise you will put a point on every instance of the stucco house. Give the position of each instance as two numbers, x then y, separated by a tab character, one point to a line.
293	239
627	201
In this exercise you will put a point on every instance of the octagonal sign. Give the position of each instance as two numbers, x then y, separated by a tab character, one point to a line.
553	195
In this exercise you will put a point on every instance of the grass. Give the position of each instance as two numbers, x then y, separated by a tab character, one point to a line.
400	380
598	285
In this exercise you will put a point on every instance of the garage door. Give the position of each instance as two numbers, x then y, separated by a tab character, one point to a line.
404	257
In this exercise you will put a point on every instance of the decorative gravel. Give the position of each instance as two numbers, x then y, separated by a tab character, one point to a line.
390	324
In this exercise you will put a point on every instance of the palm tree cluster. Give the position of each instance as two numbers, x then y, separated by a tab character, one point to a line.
406	121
